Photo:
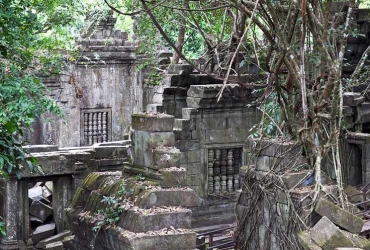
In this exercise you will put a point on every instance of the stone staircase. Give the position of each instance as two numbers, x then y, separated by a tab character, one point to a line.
155	201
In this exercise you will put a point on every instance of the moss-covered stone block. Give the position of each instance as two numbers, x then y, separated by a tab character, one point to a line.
306	241
326	235
339	216
358	241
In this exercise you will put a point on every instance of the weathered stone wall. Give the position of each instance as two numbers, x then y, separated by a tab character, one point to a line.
203	124
104	77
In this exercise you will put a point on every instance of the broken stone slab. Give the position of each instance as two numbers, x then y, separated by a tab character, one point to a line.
35	220
68	242
339	216
306	241
35	193
328	236
43	232
184	197
166	157
40	210
55	246
152	122
58	237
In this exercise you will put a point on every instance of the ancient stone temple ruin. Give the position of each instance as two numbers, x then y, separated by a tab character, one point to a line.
176	165
133	166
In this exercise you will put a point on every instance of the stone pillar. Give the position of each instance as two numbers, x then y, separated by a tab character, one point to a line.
61	194
10	213
151	131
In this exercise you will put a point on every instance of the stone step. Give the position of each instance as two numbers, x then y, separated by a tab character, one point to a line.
159	197
58	237
117	238
173	177
152	219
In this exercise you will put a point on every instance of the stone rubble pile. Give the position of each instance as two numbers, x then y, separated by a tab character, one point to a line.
42	227
337	229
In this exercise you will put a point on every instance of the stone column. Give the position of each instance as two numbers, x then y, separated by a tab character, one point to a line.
61	194
10	213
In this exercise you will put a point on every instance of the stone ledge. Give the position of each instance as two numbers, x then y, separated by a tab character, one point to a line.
152	122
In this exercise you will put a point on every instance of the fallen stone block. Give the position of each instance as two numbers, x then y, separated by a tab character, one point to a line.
35	193
40	210
58	237
353	194
306	241
328	236
339	216
49	185
55	246
358	241
46	193
43	232
68	242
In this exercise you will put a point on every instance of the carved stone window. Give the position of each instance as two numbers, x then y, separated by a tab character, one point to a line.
223	170
95	126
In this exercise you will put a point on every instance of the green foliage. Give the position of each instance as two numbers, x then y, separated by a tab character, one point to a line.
35	35
113	208
2	228
170	19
